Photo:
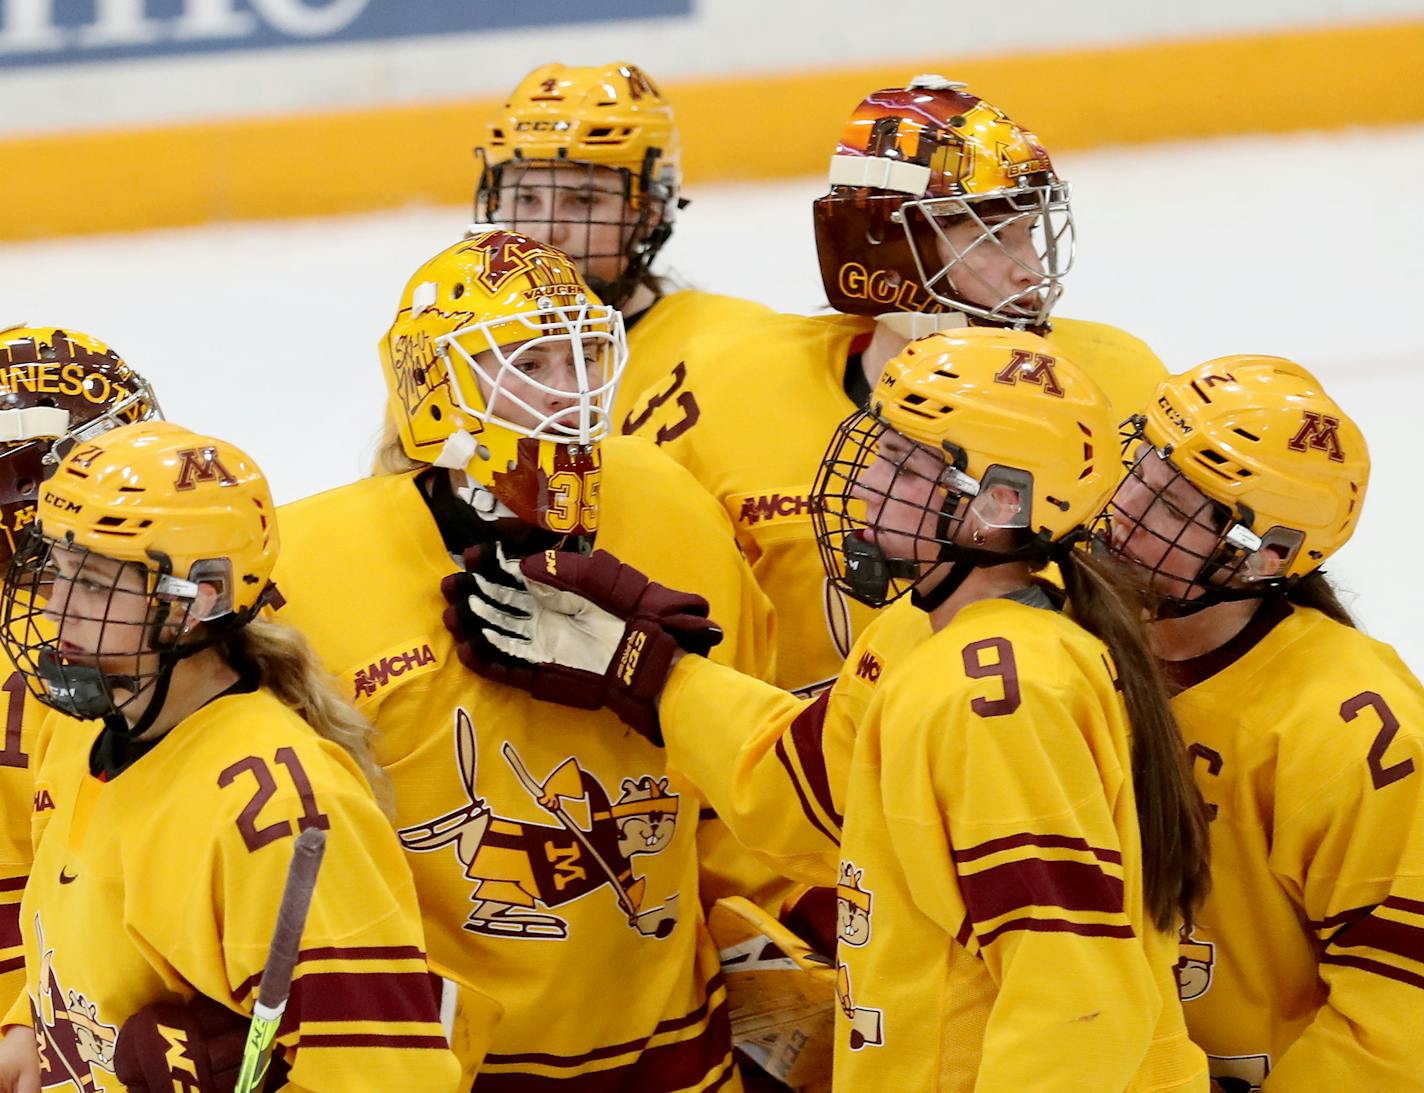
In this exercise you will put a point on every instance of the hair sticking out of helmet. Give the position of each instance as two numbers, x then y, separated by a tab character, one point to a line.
57	388
969	433
151	543
501	363
940	202
1243	476
587	160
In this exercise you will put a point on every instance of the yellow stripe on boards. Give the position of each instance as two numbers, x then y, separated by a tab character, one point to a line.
742	127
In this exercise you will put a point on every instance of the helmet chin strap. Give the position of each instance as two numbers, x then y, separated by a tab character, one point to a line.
912	325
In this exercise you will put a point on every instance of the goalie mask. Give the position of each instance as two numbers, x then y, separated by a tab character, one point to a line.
142	536
585	159
502	364
57	388
968	431
1242	476
939	202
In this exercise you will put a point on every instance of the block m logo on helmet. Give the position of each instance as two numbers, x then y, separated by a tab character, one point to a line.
1035	368
201	465
1319	432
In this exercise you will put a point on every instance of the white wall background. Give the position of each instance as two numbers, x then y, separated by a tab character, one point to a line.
719	37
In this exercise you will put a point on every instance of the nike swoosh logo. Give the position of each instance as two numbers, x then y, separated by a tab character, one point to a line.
67	878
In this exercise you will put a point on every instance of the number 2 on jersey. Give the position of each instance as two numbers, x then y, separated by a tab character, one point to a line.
1380	774
255	836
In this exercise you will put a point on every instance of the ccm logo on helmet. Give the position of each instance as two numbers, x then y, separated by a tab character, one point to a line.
1319	432
540	126
1035	368
64	504
201	465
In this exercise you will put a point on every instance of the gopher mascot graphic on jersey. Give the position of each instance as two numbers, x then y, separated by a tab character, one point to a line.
521	870
1195	961
853	928
70	1037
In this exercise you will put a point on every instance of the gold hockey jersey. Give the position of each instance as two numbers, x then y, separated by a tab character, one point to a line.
17	799
164	882
1306	971
751	413
657	337
555	859
992	930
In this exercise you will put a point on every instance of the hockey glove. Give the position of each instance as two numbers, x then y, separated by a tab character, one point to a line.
580	630
192	1047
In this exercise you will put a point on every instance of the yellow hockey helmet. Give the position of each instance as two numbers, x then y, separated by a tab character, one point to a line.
176	510
913	161
57	387
502	363
602	128
963	411
1275	464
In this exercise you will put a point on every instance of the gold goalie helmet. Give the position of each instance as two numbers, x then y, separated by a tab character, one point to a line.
501	363
1270	463
175	510
566	133
57	388
924	177
953	416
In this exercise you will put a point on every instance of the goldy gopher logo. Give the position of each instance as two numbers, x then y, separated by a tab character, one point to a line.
71	1037
853	906
521	870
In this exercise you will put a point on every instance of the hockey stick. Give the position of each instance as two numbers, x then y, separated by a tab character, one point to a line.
276	983
663	924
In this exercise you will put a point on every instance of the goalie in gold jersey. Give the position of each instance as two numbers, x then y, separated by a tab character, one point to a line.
147	916
942	213
56	386
1305	971
557	861
589	160
1022	837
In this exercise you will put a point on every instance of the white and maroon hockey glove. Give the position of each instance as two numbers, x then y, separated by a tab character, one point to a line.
580	630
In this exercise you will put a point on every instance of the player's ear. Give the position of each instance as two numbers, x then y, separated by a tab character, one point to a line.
997	506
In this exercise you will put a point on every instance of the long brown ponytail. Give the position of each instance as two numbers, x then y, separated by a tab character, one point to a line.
285	664
1171	815
1315	590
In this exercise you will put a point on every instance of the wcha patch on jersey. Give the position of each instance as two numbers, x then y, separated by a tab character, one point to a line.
754	508
413	657
71	1037
853	910
522	870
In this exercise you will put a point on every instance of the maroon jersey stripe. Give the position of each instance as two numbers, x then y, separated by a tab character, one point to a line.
1009	842
10	926
1397	974
806	808
1071	885
806	733
334	952
13	884
1057	926
360	996
1379	933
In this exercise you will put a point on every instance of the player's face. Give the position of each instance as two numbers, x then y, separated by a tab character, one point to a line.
577	208
991	270
539	382
1164	524
902	495
99	606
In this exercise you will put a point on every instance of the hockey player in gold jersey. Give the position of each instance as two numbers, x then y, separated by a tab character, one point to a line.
55	386
942	213
1022	837
1306	969
155	883
589	160
556	860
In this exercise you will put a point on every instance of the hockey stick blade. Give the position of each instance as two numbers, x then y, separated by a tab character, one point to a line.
281	959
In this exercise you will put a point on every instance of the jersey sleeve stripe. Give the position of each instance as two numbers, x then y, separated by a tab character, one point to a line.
1399	903
1035	882
1397	974
1011	842
785	759
1329	922
10	936
1388	936
1058	925
332	952
807	731
361	996
14	964
13	884
370	1039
